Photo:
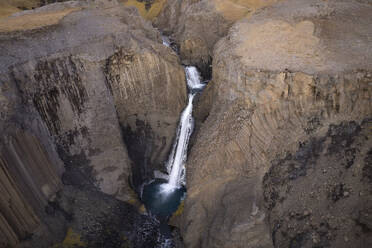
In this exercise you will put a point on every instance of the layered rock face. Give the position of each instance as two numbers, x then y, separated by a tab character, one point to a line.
94	94
197	26
283	153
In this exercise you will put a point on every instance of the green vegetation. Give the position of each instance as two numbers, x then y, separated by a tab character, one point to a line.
72	240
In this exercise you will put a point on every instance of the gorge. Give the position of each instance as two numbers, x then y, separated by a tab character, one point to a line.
102	101
163	197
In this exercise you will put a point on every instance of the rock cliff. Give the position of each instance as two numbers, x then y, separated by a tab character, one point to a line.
282	155
92	94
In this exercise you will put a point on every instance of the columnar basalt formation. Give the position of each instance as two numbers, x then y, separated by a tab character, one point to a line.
149	92
94	96
281	79
29	179
281	155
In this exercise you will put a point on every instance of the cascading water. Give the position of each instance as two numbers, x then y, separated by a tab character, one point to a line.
166	41
178	156
177	159
163	195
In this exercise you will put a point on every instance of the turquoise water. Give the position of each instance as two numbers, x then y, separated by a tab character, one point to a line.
159	202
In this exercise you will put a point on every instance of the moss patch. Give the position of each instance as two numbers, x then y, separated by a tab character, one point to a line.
8	7
33	21
147	9
234	10
179	210
72	240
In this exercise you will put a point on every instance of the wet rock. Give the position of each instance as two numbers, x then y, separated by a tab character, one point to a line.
98	219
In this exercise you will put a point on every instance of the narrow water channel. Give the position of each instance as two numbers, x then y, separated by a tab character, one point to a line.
163	195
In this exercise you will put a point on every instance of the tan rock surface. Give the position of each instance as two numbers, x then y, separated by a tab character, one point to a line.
33	21
8	7
270	94
233	10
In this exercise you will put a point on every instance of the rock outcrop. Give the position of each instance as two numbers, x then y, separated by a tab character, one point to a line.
290	96
93	95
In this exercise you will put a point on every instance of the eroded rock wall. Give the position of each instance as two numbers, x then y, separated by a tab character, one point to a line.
261	108
64	97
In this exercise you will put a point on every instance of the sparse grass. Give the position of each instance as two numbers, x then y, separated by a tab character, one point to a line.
152	12
179	210
72	240
236	9
33	21
8	7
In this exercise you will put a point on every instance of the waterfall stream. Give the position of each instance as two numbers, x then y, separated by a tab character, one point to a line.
163	195
177	159
178	156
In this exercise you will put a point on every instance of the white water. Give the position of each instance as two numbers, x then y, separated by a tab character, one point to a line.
166	41
178	156
193	78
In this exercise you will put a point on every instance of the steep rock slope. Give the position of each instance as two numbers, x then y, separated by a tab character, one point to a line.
82	90
295	72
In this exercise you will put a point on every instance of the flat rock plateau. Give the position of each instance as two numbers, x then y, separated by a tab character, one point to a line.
90	98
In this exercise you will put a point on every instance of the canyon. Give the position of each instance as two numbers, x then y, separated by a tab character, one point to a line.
90	100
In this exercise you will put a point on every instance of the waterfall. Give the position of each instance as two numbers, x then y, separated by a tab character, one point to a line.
166	41
178	155
193	78
162	198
